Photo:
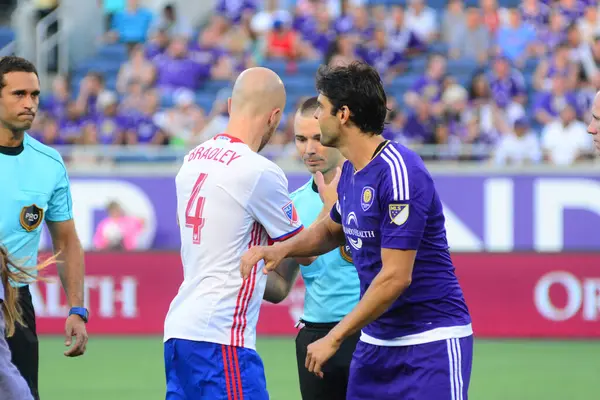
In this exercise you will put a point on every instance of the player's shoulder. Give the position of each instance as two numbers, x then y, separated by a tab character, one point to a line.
43	153
401	167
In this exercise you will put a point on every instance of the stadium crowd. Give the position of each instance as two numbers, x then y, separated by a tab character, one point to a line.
483	82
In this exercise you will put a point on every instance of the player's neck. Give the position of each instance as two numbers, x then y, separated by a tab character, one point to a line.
9	138
242	130
359	149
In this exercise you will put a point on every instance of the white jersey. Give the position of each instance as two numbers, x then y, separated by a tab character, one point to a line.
229	199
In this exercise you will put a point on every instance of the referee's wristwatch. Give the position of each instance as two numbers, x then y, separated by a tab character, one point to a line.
81	311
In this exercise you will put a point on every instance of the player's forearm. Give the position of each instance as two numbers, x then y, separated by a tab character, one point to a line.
71	268
384	290
281	280
312	241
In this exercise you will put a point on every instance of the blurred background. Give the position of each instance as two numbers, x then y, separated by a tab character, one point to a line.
494	94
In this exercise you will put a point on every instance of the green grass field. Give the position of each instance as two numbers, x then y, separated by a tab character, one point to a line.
132	369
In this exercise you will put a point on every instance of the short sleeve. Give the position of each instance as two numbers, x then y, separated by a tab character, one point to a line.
405	197
270	204
60	206
336	213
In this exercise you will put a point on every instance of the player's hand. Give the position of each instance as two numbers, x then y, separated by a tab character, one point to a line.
317	354
272	255
328	192
75	327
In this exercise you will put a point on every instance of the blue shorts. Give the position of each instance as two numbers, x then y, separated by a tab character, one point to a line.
432	371
210	371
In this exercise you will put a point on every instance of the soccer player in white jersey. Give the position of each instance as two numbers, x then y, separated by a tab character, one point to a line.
229	199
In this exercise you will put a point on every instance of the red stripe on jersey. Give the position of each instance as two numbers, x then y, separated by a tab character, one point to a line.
249	289
239	296
223	350
237	372
239	306
245	311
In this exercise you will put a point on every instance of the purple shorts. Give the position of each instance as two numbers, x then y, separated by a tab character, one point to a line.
432	371
12	384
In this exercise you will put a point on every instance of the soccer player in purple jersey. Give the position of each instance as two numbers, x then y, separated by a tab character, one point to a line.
416	341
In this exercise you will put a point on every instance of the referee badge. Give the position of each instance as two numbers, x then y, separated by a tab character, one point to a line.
31	217
399	213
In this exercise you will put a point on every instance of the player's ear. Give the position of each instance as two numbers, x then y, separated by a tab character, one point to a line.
344	114
229	105
275	114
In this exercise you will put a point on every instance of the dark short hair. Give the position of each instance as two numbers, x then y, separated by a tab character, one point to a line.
357	86
14	64
308	106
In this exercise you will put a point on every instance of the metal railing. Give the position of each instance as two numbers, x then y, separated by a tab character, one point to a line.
46	44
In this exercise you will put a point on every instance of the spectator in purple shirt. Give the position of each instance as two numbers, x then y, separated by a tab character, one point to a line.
388	62
55	104
142	128
557	64
322	38
420	126
428	88
157	45
209	52
91	86
345	22
572	10
233	11
110	126
551	36
507	83
175	69
401	38
535	13
50	135
363	29
548	105
70	125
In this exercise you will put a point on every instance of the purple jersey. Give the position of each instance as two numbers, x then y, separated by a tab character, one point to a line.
144	127
392	203
429	89
538	19
55	107
571	15
504	90
175	73
234	9
109	128
553	105
381	59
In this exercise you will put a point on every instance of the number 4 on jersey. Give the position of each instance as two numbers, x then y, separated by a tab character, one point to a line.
193	211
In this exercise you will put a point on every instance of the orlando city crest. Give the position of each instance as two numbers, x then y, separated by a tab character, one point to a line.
366	199
398	213
31	217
